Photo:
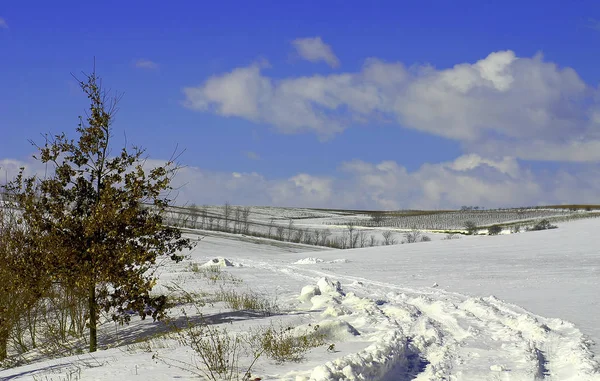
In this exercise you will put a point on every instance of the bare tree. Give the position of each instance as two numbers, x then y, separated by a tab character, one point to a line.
237	222
325	236
194	215
246	219
351	228
343	240
290	231
354	241
376	218
372	240
309	237
226	215
362	238
271	226
388	237
203	216
317	235
298	236
280	231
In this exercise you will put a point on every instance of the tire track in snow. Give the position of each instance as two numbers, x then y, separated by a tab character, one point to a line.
450	336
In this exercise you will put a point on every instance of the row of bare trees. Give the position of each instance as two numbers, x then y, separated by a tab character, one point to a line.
236	219
233	219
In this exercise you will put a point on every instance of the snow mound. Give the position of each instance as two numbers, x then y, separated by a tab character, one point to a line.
325	294
314	261
220	262
327	286
337	330
335	311
308	292
308	261
373	363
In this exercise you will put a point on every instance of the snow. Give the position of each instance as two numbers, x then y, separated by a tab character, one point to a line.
313	261
219	262
510	307
308	261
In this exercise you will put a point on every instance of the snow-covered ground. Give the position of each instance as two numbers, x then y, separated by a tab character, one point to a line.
513	307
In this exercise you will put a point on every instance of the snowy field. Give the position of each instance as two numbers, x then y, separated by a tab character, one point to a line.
512	307
307	225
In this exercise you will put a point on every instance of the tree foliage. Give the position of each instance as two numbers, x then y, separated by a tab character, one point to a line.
101	214
23	278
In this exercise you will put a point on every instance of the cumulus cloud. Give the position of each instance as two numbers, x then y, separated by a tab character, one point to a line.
3	24
497	106
313	49
467	180
146	64
9	168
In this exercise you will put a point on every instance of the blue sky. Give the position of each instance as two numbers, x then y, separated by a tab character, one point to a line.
348	104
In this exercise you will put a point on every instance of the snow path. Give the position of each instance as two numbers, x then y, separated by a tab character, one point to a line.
431	334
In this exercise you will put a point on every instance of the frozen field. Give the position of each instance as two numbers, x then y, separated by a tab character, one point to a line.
513	307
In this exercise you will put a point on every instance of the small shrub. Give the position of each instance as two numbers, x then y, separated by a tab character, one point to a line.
413	236
495	230
214	274
543	225
217	350
471	227
425	238
284	344
388	238
247	301
450	236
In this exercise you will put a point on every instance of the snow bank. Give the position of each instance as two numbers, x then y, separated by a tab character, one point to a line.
308	261
313	261
327	286
338	330
220	262
373	363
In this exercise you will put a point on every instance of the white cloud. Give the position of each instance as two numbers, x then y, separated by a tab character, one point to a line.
313	49
498	105
240	93
9	168
467	180
3	24
146	64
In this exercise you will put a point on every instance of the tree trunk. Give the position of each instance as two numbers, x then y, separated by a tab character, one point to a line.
93	318
4	333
